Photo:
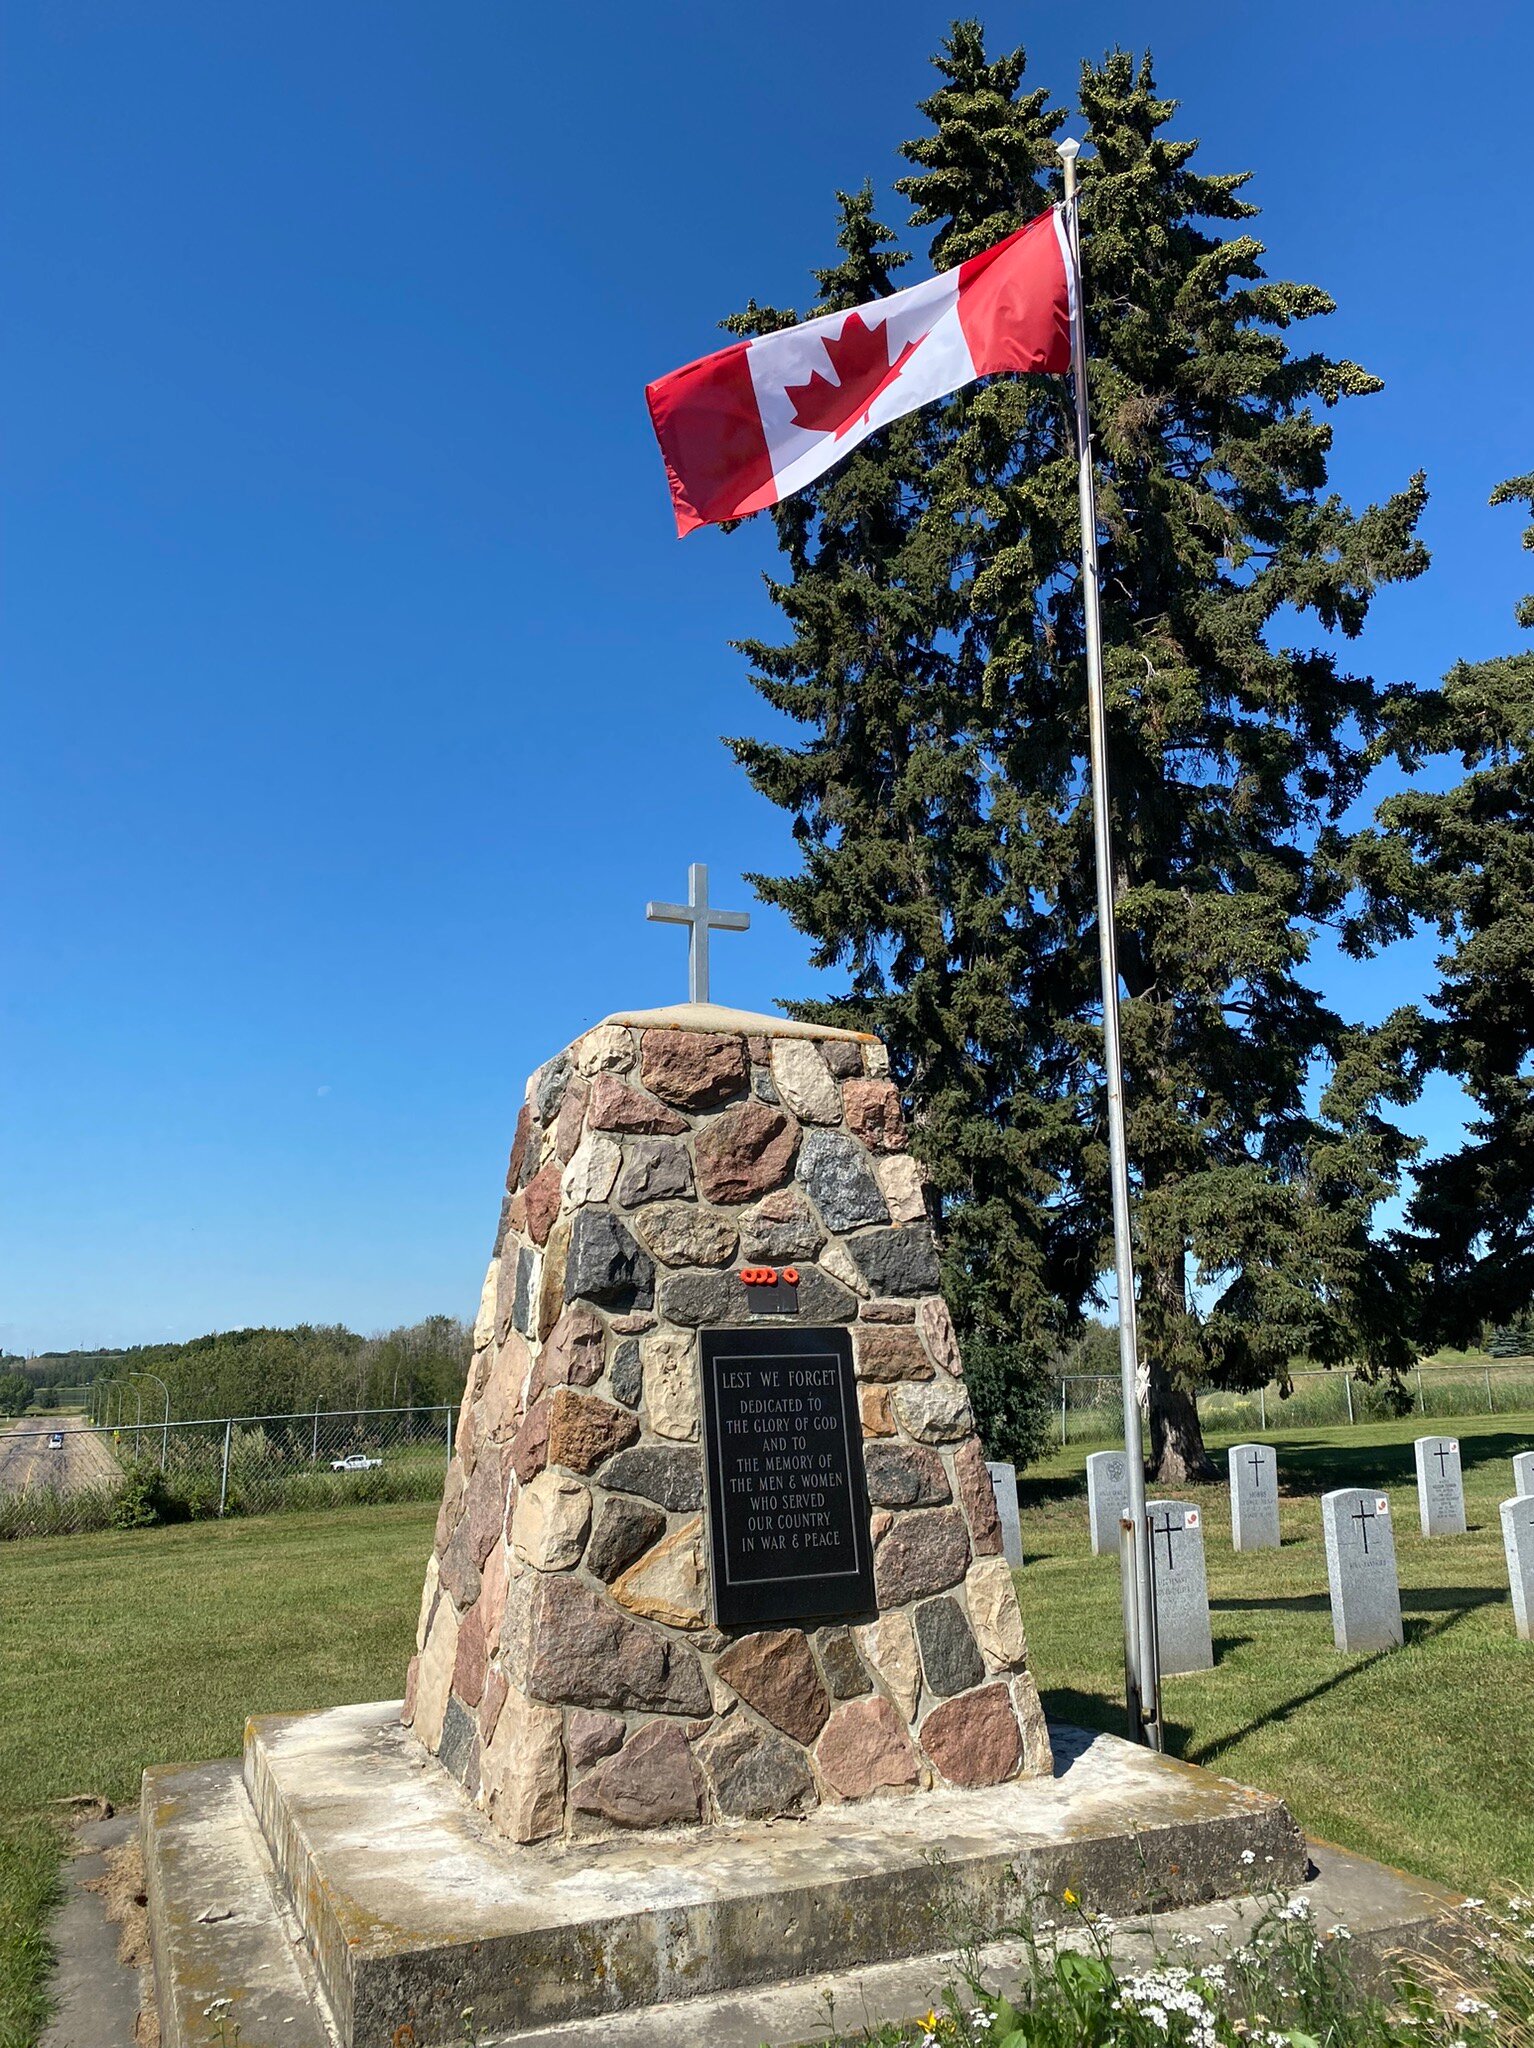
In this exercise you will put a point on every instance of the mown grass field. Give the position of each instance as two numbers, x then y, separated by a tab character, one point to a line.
122	1650
1424	1757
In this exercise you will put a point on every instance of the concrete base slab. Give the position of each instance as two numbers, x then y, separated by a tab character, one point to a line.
1385	1911
414	1909
207	1858
219	1926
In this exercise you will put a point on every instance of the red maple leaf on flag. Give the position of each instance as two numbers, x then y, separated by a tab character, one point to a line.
860	357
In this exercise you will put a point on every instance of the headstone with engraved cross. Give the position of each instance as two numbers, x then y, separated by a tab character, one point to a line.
700	919
1518	1541
1254	1497
1523	1472
1107	1497
1440	1488
1361	1569
1182	1586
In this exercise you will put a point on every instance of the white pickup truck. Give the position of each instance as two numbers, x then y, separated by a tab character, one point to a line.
355	1461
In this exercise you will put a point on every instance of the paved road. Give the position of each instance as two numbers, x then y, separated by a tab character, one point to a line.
26	1461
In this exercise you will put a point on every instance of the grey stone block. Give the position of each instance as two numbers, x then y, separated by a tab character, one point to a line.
654	1170
897	1262
1254	1497
626	1373
840	1177
1440	1486
625	1528
950	1658
605	1265
1182	1586
672	1478
549	1085
1361	1569
698	1299
1523	1472
1518	1542
1107	1496
522	1302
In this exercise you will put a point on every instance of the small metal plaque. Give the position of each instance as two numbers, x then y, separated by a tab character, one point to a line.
787	1492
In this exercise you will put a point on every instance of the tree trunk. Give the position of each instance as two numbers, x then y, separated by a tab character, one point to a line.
1177	1451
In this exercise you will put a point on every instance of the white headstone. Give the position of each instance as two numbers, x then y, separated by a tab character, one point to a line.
1107	1497
1004	1486
1182	1586
1440	1489
1518	1541
1254	1497
1523	1472
1361	1569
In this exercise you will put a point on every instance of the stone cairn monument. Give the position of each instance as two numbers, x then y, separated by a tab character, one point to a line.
718	1540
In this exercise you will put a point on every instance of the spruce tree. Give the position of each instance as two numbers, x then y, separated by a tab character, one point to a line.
934	657
1464	860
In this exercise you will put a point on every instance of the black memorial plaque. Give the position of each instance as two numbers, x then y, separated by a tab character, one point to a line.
787	1493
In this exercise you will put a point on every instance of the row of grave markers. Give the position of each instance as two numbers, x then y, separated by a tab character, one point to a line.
1360	1544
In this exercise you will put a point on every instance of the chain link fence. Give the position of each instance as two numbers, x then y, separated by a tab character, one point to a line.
73	1477
1090	1410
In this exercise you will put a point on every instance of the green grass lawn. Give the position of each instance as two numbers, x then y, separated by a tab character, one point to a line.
1423	1757
122	1650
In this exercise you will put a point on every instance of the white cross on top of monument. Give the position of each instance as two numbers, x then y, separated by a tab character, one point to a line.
700	921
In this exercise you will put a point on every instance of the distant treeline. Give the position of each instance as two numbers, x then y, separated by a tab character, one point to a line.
279	1372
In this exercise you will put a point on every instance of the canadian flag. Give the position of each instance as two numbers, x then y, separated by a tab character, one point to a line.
750	425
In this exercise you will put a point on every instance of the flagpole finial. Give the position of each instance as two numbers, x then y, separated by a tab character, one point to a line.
1069	149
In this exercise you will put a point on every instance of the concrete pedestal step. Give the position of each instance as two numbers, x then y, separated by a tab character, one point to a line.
414	1907
219	1926
206	1857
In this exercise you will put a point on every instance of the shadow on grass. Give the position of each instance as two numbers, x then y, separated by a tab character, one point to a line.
1449	1604
1046	1491
1317	1467
1279	1603
1084	1709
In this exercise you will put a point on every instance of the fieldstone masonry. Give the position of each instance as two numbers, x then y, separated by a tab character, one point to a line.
1440	1486
568	1671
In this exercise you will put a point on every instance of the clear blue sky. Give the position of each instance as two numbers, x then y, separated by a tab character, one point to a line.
357	693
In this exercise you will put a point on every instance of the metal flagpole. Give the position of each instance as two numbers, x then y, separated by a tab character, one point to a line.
1141	1663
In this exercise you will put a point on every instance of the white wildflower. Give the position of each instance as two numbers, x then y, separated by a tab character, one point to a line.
1248	1855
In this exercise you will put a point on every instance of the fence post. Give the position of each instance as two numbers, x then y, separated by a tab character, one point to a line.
314	1451
448	1418
223	1484
1490	1404
1262	1405
1421	1398
1062	1415
1347	1386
